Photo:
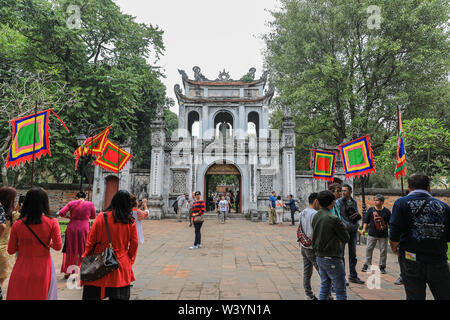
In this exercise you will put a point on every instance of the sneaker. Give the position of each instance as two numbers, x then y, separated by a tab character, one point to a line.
399	281
365	268
193	247
199	246
383	269
190	225
356	280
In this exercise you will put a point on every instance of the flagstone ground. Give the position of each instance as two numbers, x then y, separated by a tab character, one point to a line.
239	260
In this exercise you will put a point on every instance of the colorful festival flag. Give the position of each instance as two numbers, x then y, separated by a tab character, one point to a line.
93	145
23	137
113	157
324	165
400	168
357	157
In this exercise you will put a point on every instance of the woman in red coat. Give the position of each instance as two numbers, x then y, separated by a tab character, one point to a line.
32	273
122	227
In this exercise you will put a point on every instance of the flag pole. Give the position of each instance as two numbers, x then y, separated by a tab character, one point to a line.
34	143
398	131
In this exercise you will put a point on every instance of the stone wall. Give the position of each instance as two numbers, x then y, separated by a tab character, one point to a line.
58	194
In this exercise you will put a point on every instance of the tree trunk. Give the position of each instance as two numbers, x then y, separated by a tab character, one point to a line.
4	175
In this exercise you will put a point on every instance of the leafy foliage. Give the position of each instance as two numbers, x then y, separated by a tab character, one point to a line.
342	79
427	145
104	64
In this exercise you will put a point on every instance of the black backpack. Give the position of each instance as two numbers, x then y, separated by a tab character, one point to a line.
175	204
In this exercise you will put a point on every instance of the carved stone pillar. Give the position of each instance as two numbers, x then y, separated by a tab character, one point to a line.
288	154
155	201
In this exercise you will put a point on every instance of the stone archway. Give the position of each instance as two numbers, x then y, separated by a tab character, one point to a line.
225	169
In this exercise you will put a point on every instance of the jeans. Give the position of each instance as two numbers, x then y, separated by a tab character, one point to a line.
351	254
371	243
271	215
94	293
280	217
198	235
309	262
416	275
332	273
292	216
222	215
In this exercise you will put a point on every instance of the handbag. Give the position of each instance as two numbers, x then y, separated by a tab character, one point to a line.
199	218
96	266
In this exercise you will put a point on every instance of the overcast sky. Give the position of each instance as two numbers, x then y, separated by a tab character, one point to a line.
211	34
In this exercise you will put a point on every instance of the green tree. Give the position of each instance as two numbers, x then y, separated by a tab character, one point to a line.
427	145
105	61
343	80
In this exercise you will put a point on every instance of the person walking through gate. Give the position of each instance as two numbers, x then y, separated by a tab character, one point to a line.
350	216
377	219
124	241
279	210
33	276
292	207
272	200
198	208
224	207
8	215
329	233
419	233
79	212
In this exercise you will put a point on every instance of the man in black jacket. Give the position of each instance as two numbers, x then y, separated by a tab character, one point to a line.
350	216
419	232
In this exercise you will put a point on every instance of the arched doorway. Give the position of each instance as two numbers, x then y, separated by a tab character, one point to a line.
112	186
222	178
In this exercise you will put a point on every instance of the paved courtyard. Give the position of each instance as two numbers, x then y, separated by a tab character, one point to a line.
239	260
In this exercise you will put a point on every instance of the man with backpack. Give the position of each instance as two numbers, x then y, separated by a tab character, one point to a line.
377	219
304	235
419	230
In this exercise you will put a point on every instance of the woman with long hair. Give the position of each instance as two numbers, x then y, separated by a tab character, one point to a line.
80	211
7	200
124	240
33	276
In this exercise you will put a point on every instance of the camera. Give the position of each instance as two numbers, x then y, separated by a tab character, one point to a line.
352	214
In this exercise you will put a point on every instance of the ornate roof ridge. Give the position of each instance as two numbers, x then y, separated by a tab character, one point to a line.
223	78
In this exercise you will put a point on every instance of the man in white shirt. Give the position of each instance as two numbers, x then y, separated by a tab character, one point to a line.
224	206
309	258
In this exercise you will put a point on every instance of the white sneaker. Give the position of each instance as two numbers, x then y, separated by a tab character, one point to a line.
199	246
193	247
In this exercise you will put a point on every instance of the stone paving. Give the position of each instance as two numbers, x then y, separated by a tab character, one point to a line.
238	260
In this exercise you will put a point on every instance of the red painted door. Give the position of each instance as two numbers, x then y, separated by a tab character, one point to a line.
112	186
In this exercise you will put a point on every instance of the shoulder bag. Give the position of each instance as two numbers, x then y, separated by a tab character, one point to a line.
96	266
34	234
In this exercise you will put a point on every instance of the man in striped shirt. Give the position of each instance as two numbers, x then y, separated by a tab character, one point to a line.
198	208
